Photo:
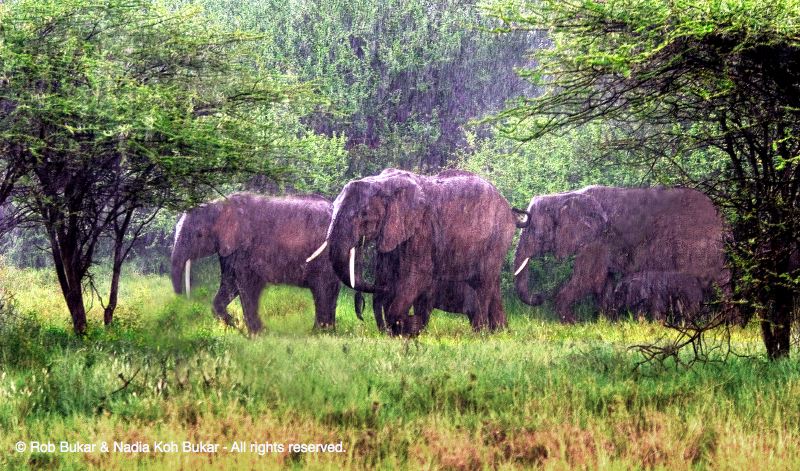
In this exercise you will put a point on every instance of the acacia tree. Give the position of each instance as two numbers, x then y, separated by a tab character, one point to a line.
698	84
116	108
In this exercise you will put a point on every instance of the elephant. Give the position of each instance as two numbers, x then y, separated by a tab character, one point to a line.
454	297
637	248
428	233
259	240
665	295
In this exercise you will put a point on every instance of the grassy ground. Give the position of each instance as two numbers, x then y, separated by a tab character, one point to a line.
540	394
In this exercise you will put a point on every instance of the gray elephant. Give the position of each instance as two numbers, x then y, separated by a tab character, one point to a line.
454	297
664	295
634	248
451	228
259	240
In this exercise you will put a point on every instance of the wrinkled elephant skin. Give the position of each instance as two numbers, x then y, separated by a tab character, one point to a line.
431	234
260	240
645	249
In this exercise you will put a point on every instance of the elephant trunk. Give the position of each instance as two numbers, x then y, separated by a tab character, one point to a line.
359	304
181	271
353	274
521	277
344	258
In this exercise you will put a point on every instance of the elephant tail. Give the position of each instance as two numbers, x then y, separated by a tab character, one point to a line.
359	304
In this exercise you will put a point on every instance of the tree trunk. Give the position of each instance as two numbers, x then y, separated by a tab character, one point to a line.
108	313
71	287
77	310
776	324
777	327
69	276
120	253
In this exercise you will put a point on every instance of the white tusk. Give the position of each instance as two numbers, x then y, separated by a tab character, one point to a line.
353	268
524	262
187	277
317	252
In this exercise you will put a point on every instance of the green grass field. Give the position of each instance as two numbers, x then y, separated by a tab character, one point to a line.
540	394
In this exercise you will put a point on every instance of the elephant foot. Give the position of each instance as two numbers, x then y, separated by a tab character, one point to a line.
408	326
395	328
568	319
324	326
254	328
497	321
479	324
227	319
498	326
255	332
413	326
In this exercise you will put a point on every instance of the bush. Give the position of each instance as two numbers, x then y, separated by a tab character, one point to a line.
19	334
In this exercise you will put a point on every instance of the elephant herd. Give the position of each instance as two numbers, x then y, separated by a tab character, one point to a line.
419	243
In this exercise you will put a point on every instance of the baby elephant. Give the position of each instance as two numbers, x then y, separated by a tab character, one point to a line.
456	297
666	296
259	240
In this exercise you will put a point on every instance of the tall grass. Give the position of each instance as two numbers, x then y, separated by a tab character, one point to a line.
540	394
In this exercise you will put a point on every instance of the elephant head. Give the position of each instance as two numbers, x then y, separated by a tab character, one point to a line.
557	224
217	227
386	209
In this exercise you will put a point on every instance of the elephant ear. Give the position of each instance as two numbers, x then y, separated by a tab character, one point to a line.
403	215
578	221
232	230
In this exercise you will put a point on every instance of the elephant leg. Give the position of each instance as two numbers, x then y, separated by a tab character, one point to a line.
250	287
397	315
227	291
589	276
565	298
325	295
497	315
483	299
386	279
380	304
480	320
572	291
422	314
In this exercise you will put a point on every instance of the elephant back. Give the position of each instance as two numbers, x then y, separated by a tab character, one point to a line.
663	229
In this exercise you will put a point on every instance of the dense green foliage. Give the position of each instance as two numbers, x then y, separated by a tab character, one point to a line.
708	91
171	95
552	164
540	394
403	77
